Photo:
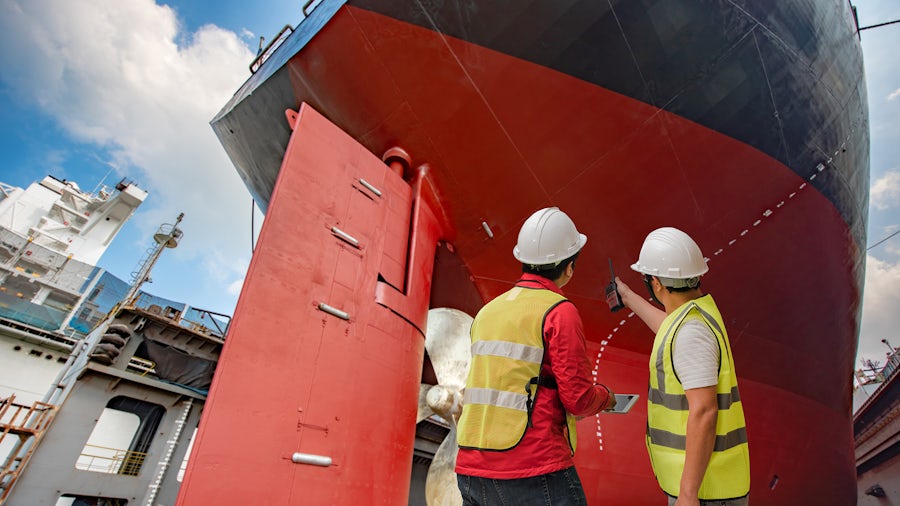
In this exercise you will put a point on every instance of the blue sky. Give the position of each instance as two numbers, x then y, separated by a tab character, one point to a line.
97	90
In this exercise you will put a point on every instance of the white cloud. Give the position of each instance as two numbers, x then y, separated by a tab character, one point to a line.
880	319
225	269
894	94
885	192
235	287
892	248
112	74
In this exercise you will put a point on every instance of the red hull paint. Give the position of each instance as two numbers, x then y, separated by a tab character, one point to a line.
505	137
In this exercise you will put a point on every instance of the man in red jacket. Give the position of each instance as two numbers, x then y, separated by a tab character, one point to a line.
529	380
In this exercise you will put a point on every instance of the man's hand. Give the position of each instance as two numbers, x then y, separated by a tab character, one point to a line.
625	292
687	501
611	403
650	314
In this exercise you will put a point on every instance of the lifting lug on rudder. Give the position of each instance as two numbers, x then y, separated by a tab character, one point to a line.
397	159
333	311
310	459
291	116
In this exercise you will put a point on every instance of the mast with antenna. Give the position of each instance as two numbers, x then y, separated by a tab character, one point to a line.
167	236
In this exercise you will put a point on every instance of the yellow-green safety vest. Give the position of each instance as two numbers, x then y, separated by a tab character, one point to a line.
507	353
728	473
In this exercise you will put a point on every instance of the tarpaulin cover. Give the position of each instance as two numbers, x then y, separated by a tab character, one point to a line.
178	367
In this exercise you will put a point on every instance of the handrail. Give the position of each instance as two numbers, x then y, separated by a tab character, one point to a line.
110	460
270	48
307	4
212	315
6	189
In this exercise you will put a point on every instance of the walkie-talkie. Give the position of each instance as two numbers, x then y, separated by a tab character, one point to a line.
612	291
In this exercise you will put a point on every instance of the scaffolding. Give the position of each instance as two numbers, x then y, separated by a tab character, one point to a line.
28	424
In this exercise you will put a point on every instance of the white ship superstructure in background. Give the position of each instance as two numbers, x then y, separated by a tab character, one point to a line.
60	217
52	234
92	370
51	237
876	428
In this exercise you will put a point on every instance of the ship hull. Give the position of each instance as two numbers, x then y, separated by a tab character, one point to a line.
743	124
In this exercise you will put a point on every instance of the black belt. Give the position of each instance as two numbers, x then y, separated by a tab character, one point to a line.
544	381
547	381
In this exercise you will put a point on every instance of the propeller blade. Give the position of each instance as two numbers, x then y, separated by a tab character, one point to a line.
445	402
424	410
449	345
440	484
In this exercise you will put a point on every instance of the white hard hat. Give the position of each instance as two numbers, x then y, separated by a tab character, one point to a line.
548	237
672	256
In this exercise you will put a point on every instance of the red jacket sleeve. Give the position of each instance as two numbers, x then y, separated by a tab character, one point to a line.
569	364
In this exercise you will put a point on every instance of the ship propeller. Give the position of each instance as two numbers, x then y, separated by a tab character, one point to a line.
449	348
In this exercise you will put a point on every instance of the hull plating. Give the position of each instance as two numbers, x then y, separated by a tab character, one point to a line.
751	135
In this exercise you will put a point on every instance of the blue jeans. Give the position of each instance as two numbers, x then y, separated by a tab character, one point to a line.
562	488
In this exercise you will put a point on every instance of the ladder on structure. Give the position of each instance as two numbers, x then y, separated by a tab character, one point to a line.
28	424
166	461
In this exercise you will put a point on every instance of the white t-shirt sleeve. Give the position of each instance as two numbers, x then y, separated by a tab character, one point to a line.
696	355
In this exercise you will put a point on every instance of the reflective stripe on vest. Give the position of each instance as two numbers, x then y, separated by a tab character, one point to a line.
533	354
507	353
728	472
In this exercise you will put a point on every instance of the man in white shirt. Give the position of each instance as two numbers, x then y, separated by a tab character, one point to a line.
696	433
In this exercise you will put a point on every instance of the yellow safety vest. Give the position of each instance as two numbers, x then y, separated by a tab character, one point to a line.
507	353
728	473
